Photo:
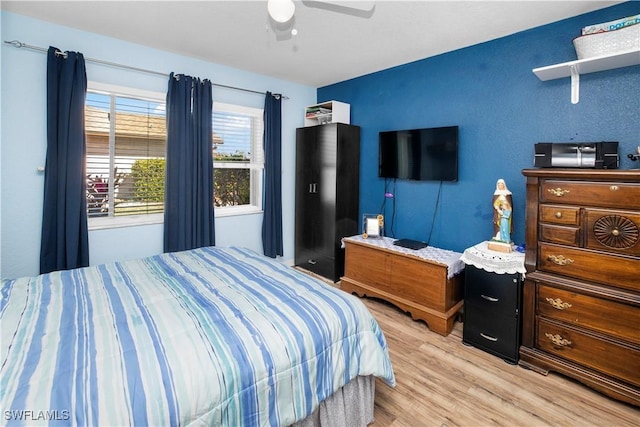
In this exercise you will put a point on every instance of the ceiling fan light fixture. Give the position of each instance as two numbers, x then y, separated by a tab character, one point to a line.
281	10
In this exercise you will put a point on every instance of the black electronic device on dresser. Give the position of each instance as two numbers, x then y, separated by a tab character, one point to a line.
327	195
492	305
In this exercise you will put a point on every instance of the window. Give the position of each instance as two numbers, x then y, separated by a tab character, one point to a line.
126	145
238	158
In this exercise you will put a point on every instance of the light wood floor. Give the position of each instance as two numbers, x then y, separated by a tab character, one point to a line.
441	382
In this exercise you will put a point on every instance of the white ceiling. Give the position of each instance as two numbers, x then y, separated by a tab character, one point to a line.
331	45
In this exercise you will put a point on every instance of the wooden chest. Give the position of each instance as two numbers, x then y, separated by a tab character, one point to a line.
416	284
581	297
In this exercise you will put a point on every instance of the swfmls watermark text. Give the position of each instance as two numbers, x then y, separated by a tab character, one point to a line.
30	415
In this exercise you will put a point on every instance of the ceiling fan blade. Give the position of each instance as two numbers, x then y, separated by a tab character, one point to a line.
359	8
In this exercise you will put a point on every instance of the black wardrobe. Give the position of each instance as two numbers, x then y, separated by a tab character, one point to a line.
327	195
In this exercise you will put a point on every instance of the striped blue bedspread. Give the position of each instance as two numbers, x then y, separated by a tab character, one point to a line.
211	336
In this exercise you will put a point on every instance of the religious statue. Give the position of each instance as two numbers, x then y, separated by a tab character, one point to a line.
502	209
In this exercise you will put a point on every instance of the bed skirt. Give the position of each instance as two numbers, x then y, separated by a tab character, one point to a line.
350	406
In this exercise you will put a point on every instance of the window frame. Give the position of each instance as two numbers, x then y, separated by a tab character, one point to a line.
101	223
256	174
256	166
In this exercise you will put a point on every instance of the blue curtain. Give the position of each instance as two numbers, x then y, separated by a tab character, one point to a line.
65	236
188	203
272	202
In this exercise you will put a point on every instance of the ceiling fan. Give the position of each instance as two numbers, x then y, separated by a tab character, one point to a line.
282	11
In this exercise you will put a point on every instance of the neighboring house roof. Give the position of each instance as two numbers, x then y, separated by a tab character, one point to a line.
130	125
127	124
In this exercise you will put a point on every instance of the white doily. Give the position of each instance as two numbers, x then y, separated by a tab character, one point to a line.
441	256
495	262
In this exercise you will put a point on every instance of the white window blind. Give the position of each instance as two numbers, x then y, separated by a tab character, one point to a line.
238	156
126	145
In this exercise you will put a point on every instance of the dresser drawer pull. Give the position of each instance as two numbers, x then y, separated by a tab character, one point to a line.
558	303
558	340
488	337
558	192
614	188
492	299
559	259
558	214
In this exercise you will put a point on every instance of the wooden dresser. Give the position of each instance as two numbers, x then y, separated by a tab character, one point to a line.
581	296
427	283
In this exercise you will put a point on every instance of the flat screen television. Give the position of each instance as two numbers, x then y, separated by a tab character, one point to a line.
429	154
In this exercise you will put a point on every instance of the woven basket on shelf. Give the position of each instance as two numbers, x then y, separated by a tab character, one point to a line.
606	43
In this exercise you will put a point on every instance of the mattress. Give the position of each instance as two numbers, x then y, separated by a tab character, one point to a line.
215	336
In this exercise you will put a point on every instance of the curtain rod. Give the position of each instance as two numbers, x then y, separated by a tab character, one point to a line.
19	45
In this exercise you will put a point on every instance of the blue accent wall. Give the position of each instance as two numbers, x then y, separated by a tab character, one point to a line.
502	108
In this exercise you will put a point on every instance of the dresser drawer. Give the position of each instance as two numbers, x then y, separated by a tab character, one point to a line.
491	332
613	231
605	194
618	271
609	317
495	292
611	358
558	214
560	234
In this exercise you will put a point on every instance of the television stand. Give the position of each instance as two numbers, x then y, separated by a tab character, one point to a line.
426	283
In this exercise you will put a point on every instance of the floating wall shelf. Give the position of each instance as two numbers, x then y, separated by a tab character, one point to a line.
573	69
327	112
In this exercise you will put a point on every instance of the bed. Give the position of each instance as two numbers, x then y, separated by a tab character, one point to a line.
210	336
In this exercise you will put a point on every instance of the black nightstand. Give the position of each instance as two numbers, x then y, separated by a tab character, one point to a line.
492	302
